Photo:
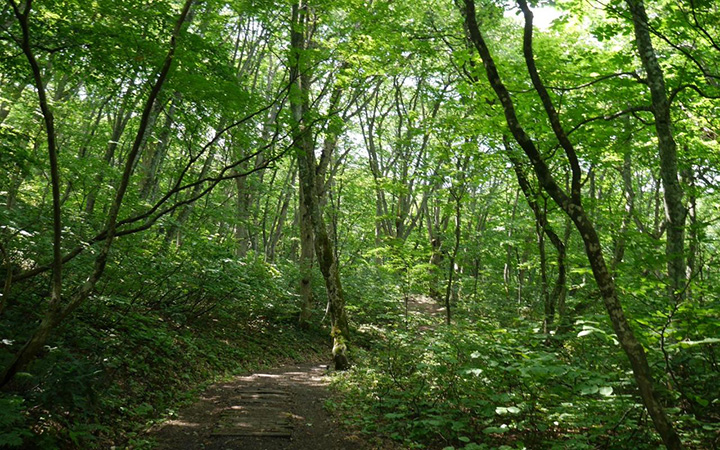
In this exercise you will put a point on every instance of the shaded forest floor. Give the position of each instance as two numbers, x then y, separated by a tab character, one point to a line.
479	384
486	383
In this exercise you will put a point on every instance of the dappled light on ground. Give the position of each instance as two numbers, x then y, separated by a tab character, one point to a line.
273	410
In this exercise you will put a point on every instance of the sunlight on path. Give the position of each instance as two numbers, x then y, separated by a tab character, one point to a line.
427	308
278	409
257	412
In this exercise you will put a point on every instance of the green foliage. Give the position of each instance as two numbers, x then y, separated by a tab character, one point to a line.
202	281
104	378
481	386
372	295
13	427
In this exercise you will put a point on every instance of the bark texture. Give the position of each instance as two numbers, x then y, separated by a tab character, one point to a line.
307	169
675	211
307	248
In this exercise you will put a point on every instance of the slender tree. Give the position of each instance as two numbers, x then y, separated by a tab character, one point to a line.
675	211
56	312
571	204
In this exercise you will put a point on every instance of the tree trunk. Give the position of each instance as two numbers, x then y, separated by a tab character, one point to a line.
551	302
55	313
119	124
572	206
307	248
279	221
307	167
629	194
457	196
36	342
153	159
693	268
436	259
242	219
436	226
675	211
174	233
507	268
383	227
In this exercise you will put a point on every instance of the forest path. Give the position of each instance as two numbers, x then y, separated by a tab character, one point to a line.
277	409
428	308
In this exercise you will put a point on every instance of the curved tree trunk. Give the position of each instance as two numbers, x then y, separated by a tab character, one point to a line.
572	206
56	313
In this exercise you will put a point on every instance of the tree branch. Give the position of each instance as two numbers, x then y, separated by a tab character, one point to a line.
553	117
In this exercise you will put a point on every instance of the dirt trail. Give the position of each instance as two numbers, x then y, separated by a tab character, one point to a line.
426	307
277	409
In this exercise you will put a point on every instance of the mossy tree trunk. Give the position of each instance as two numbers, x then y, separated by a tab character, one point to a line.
675	211
310	184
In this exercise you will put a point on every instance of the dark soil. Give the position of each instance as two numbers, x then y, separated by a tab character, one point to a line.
278	409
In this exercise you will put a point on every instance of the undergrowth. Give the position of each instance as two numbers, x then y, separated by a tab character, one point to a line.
134	355
478	385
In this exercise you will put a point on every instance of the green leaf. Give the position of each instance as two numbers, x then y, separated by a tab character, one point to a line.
589	390
606	391
491	430
501	410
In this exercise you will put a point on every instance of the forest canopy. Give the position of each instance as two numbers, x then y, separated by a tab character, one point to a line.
197	187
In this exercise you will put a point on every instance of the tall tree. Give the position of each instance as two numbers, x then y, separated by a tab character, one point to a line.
56	312
675	211
571	204
300	77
